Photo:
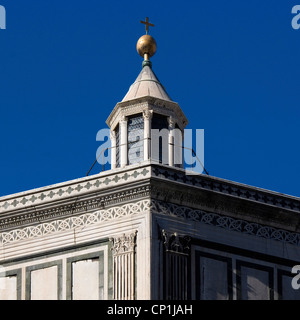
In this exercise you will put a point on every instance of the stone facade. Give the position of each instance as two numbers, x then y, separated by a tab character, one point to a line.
149	231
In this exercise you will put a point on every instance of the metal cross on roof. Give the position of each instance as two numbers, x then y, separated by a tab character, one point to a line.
147	23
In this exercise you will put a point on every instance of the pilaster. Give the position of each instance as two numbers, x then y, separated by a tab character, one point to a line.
176	266
124	266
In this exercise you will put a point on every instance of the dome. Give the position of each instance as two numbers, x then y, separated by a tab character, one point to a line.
146	84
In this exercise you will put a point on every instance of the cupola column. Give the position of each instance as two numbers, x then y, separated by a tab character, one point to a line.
171	140
113	140
147	114
123	141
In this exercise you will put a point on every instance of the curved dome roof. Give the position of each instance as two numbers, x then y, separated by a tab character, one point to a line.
146	84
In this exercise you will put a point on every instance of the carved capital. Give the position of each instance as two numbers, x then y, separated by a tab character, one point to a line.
175	243
171	122
123	121
112	135
124	244
147	114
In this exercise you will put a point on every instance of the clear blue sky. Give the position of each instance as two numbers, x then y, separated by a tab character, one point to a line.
233	66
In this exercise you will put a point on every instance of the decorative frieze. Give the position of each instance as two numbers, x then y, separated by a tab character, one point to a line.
155	206
227	188
76	207
224	222
128	108
78	188
31	200
46	212
72	223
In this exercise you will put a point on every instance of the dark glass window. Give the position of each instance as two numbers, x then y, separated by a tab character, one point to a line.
135	139
159	138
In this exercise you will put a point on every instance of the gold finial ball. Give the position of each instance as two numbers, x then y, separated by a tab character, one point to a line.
146	44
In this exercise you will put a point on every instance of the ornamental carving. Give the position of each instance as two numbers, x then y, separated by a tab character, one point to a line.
147	114
171	122
112	134
224	222
75	222
124	243
129	108
175	243
208	183
70	190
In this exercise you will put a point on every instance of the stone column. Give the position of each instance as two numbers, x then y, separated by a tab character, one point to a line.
147	114
113	153
176	266
171	140
123	141
124	266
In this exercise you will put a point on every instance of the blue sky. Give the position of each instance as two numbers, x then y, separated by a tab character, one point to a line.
233	67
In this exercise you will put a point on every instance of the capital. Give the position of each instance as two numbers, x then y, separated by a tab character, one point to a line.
147	114
112	134
124	244
123	121
171	122
176	243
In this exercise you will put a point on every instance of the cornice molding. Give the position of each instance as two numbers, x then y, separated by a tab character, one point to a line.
77	188
74	222
155	207
227	188
224	222
78	206
140	182
136	106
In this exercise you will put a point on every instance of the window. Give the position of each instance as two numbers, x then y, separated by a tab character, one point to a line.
117	146
160	139
135	139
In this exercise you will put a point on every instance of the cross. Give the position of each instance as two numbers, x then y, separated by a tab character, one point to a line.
147	23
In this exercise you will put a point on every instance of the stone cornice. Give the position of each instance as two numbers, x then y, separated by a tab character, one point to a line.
224	222
226	187
138	105
119	186
72	189
73	222
66	224
75	207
